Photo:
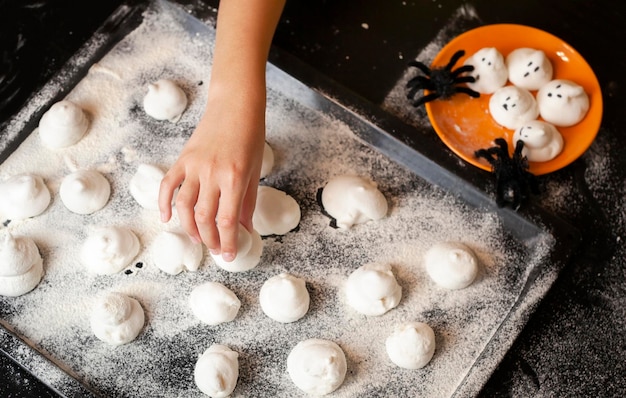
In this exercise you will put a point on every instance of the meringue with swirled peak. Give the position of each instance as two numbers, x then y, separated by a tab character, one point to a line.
284	298
21	265
275	212
411	345
85	191
249	251
452	265
317	366
108	250
174	252
216	371
145	184
23	196
165	100
372	289
116	318
63	125
213	303
353	200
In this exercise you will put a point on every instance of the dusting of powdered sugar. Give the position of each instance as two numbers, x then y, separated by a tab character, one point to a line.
309	147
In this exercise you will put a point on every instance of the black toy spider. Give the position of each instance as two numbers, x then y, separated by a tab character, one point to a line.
513	180
441	82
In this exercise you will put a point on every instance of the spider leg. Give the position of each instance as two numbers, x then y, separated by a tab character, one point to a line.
462	69
468	91
419	82
421	66
454	59
465	79
426	98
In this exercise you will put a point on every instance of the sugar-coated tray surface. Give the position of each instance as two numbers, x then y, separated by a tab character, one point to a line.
310	147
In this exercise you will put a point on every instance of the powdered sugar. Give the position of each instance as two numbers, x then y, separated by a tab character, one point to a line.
309	147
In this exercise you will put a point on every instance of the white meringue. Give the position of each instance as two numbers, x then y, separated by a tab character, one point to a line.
275	213
165	100
23	196
63	125
284	298
173	252
372	289
21	265
451	265
512	106
216	371
528	68
542	141
214	303
85	191
317	366
108	250
562	102
116	318
249	251
490	72
411	345
268	160
353	200
145	184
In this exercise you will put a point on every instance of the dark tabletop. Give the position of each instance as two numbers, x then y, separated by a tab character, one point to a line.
575	343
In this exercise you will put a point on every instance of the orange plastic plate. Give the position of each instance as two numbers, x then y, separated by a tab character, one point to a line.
464	123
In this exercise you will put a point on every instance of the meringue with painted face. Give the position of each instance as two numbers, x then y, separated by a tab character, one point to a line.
512	106
351	200
23	196
216	371
63	125
529	68
562	102
165	100
21	265
490	72
542	141
372	289
116	318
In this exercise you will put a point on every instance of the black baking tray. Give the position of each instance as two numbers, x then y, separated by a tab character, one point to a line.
404	144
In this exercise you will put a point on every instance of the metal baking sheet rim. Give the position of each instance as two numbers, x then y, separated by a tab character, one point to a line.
382	131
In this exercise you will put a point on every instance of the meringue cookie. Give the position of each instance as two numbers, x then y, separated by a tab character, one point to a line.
353	200
214	303
284	298
63	125
108	250
21	265
512	106
23	196
451	265
249	251
165	100
316	366
542	141
372	289
528	68
85	191
173	252
411	345
562	102
116	318
490	72
275	213
268	160
216	371
145	184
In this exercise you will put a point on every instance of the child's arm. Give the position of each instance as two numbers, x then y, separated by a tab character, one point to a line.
219	167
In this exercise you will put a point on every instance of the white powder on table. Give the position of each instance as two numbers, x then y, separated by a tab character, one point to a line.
309	147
